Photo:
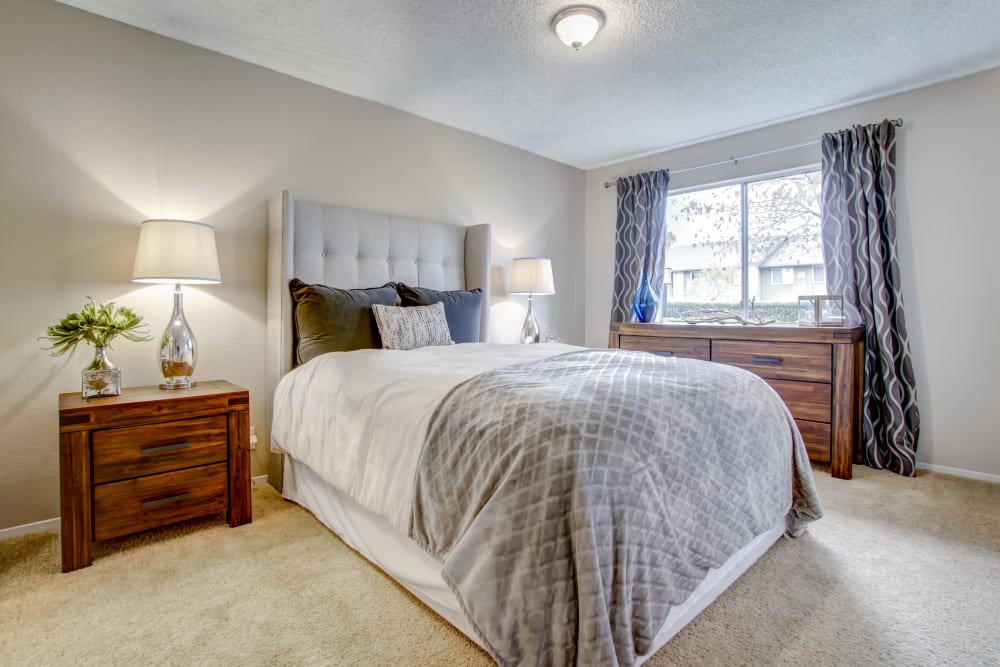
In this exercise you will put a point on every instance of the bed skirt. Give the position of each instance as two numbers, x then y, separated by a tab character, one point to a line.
402	559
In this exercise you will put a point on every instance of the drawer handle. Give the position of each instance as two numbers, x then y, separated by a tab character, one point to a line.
165	448
163	501
774	361
664	353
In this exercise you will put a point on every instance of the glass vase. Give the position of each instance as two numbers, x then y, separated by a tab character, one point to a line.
101	377
645	302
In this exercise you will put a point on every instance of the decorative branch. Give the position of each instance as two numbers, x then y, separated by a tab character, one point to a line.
710	316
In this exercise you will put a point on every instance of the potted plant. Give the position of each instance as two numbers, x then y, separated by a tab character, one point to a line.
98	324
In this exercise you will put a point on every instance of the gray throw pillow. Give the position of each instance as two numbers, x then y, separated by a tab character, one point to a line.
329	319
461	308
413	327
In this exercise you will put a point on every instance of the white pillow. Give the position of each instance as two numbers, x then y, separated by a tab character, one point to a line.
412	326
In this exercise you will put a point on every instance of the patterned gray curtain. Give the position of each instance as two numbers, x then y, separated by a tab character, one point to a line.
859	248
640	234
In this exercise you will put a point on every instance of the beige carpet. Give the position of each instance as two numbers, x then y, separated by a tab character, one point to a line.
900	571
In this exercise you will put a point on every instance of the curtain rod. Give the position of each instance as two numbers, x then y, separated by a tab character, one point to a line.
898	122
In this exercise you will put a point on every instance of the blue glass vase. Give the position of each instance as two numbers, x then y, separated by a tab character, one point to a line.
645	302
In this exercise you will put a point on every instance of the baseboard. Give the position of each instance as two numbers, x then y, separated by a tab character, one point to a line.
958	472
29	528
53	524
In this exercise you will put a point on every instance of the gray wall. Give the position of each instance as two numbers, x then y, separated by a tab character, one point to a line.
103	125
948	226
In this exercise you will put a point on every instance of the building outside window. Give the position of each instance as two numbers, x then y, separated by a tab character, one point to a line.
757	239
784	275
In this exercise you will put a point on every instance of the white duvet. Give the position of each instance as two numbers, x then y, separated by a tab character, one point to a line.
358	419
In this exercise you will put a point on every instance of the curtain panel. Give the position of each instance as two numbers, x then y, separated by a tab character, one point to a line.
640	235
859	249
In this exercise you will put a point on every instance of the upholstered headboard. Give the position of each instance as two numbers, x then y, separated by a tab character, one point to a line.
348	248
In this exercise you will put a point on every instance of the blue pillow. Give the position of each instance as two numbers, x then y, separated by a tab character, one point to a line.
462	309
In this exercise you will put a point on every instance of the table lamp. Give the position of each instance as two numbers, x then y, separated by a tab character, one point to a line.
177	252
531	275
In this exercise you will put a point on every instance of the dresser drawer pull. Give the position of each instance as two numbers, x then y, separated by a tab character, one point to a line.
165	448
774	361
664	353
163	501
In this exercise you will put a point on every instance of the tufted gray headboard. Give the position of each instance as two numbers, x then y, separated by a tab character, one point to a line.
347	248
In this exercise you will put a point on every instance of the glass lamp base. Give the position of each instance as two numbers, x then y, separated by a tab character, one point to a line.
530	331
178	351
180	384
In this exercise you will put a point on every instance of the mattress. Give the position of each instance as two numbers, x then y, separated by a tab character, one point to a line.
358	418
375	538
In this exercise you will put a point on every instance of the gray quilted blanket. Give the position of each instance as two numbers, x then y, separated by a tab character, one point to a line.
573	501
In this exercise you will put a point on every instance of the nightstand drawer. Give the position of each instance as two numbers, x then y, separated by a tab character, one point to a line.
805	400
692	348
783	361
817	439
122	453
156	500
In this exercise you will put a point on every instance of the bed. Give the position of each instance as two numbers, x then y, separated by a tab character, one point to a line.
445	467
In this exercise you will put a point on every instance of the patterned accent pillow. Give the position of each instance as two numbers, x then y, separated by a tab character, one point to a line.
412	327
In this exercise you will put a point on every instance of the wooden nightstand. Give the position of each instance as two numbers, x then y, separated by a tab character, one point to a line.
149	458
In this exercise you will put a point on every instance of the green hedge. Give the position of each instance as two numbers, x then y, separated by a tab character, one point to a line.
780	312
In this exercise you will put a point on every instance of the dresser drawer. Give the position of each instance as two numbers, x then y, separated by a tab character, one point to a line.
692	348
121	453
805	400
782	361
156	500
817	371
817	439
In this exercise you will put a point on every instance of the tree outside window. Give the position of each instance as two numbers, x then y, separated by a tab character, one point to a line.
779	218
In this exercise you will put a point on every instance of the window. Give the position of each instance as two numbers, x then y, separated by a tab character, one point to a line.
784	275
754	240
819	274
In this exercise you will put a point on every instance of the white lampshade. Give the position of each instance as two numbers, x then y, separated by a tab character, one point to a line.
576	26
532	275
176	251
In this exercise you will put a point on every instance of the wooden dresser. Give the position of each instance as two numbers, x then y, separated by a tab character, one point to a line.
818	371
149	458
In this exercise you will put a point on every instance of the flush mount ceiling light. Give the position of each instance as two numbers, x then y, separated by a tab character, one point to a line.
576	26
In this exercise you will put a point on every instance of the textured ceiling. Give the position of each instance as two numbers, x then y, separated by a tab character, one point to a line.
661	73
